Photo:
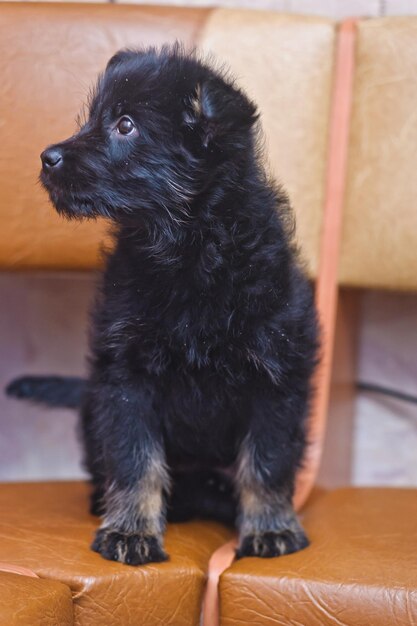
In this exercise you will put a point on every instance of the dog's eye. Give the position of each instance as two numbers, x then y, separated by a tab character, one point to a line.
125	126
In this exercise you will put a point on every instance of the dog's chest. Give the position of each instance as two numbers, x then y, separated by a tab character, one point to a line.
165	351
203	417
153	336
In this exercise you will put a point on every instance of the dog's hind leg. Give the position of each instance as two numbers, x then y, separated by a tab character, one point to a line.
136	476
268	459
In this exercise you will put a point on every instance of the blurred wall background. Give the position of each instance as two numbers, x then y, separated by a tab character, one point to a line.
331	8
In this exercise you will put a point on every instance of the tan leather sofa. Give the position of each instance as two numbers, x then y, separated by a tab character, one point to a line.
26	599
360	568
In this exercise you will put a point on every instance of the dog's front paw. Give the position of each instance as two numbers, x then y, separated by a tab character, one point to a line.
269	544
130	548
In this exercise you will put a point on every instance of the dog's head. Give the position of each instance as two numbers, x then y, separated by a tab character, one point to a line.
161	124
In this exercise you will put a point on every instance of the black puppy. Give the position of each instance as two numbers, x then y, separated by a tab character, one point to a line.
204	333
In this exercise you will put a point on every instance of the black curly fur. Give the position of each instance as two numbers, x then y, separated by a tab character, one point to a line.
204	333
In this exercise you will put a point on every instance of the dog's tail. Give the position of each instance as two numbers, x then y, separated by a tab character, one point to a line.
53	391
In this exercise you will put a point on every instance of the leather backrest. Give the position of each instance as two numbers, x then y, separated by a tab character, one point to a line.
51	53
379	245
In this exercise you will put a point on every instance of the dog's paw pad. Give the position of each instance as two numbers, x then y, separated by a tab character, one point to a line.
132	548
270	544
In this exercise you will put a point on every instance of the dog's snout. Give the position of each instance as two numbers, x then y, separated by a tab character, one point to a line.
51	158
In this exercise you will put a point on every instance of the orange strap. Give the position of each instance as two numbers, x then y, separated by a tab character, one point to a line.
327	284
16	569
220	560
326	295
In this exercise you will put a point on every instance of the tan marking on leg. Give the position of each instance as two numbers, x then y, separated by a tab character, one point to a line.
262	509
139	508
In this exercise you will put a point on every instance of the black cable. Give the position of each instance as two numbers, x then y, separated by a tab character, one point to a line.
394	393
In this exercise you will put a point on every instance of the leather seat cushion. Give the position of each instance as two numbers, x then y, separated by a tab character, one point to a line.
25	600
360	569
46	527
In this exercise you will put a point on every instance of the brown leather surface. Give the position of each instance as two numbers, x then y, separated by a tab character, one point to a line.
285	63
380	227
16	569
360	569
49	56
46	527
28	601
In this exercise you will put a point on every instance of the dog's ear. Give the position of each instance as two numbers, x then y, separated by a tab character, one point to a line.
121	56
217	108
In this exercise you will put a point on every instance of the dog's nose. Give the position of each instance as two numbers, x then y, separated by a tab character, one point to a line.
52	157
